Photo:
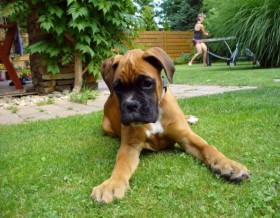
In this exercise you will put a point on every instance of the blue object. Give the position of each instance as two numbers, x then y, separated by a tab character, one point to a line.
18	44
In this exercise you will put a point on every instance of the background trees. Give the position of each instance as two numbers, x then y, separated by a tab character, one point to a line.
181	14
147	14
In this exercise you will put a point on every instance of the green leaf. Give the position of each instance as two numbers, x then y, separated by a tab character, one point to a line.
67	58
84	49
93	67
54	52
94	28
46	25
83	11
42	19
53	68
85	38
59	29
76	11
81	26
56	11
73	11
69	2
38	47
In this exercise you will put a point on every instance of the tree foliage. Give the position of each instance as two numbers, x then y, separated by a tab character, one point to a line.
89	29
181	14
255	23
148	18
146	10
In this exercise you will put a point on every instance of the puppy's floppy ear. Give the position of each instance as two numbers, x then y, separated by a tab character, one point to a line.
108	68
158	58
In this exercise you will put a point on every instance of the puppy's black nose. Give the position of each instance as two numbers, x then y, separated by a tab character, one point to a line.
132	105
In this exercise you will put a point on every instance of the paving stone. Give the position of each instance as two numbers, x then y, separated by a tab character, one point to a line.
10	119
26	110
33	115
40	116
79	107
98	102
64	113
49	108
5	112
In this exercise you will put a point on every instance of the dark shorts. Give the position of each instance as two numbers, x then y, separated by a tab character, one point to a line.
194	42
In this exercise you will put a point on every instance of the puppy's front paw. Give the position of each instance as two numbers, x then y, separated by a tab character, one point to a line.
230	170
220	164
108	190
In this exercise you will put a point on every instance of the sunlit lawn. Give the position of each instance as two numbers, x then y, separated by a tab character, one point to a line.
48	168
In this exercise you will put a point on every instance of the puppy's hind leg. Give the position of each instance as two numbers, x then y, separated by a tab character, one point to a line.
107	126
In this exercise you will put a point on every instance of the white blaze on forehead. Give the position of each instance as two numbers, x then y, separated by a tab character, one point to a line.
156	128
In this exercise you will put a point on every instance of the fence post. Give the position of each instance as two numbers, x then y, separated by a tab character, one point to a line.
165	41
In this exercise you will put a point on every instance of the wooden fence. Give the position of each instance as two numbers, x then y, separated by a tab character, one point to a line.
173	42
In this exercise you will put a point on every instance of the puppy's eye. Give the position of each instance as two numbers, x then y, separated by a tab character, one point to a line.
147	83
118	86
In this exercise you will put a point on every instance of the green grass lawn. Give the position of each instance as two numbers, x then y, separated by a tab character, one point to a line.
244	73
48	168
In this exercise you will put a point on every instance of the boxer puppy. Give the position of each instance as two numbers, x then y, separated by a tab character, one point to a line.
143	112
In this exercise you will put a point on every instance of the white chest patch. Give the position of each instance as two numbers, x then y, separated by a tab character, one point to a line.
156	128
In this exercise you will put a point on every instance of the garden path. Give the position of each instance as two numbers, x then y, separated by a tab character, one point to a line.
63	107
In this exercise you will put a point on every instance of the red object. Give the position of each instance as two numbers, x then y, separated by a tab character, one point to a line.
5	48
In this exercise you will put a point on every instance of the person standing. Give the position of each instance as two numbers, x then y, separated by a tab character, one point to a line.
199	31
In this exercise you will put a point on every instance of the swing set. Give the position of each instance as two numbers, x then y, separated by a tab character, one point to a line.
5	49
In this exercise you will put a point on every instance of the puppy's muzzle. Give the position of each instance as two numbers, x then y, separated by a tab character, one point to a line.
131	106
138	111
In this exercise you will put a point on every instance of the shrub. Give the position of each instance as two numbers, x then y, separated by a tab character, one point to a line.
186	57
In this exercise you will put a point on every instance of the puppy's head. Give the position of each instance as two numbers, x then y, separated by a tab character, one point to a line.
135	79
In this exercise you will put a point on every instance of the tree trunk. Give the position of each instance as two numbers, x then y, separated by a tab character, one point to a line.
78	73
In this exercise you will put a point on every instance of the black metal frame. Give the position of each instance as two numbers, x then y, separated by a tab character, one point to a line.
234	55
